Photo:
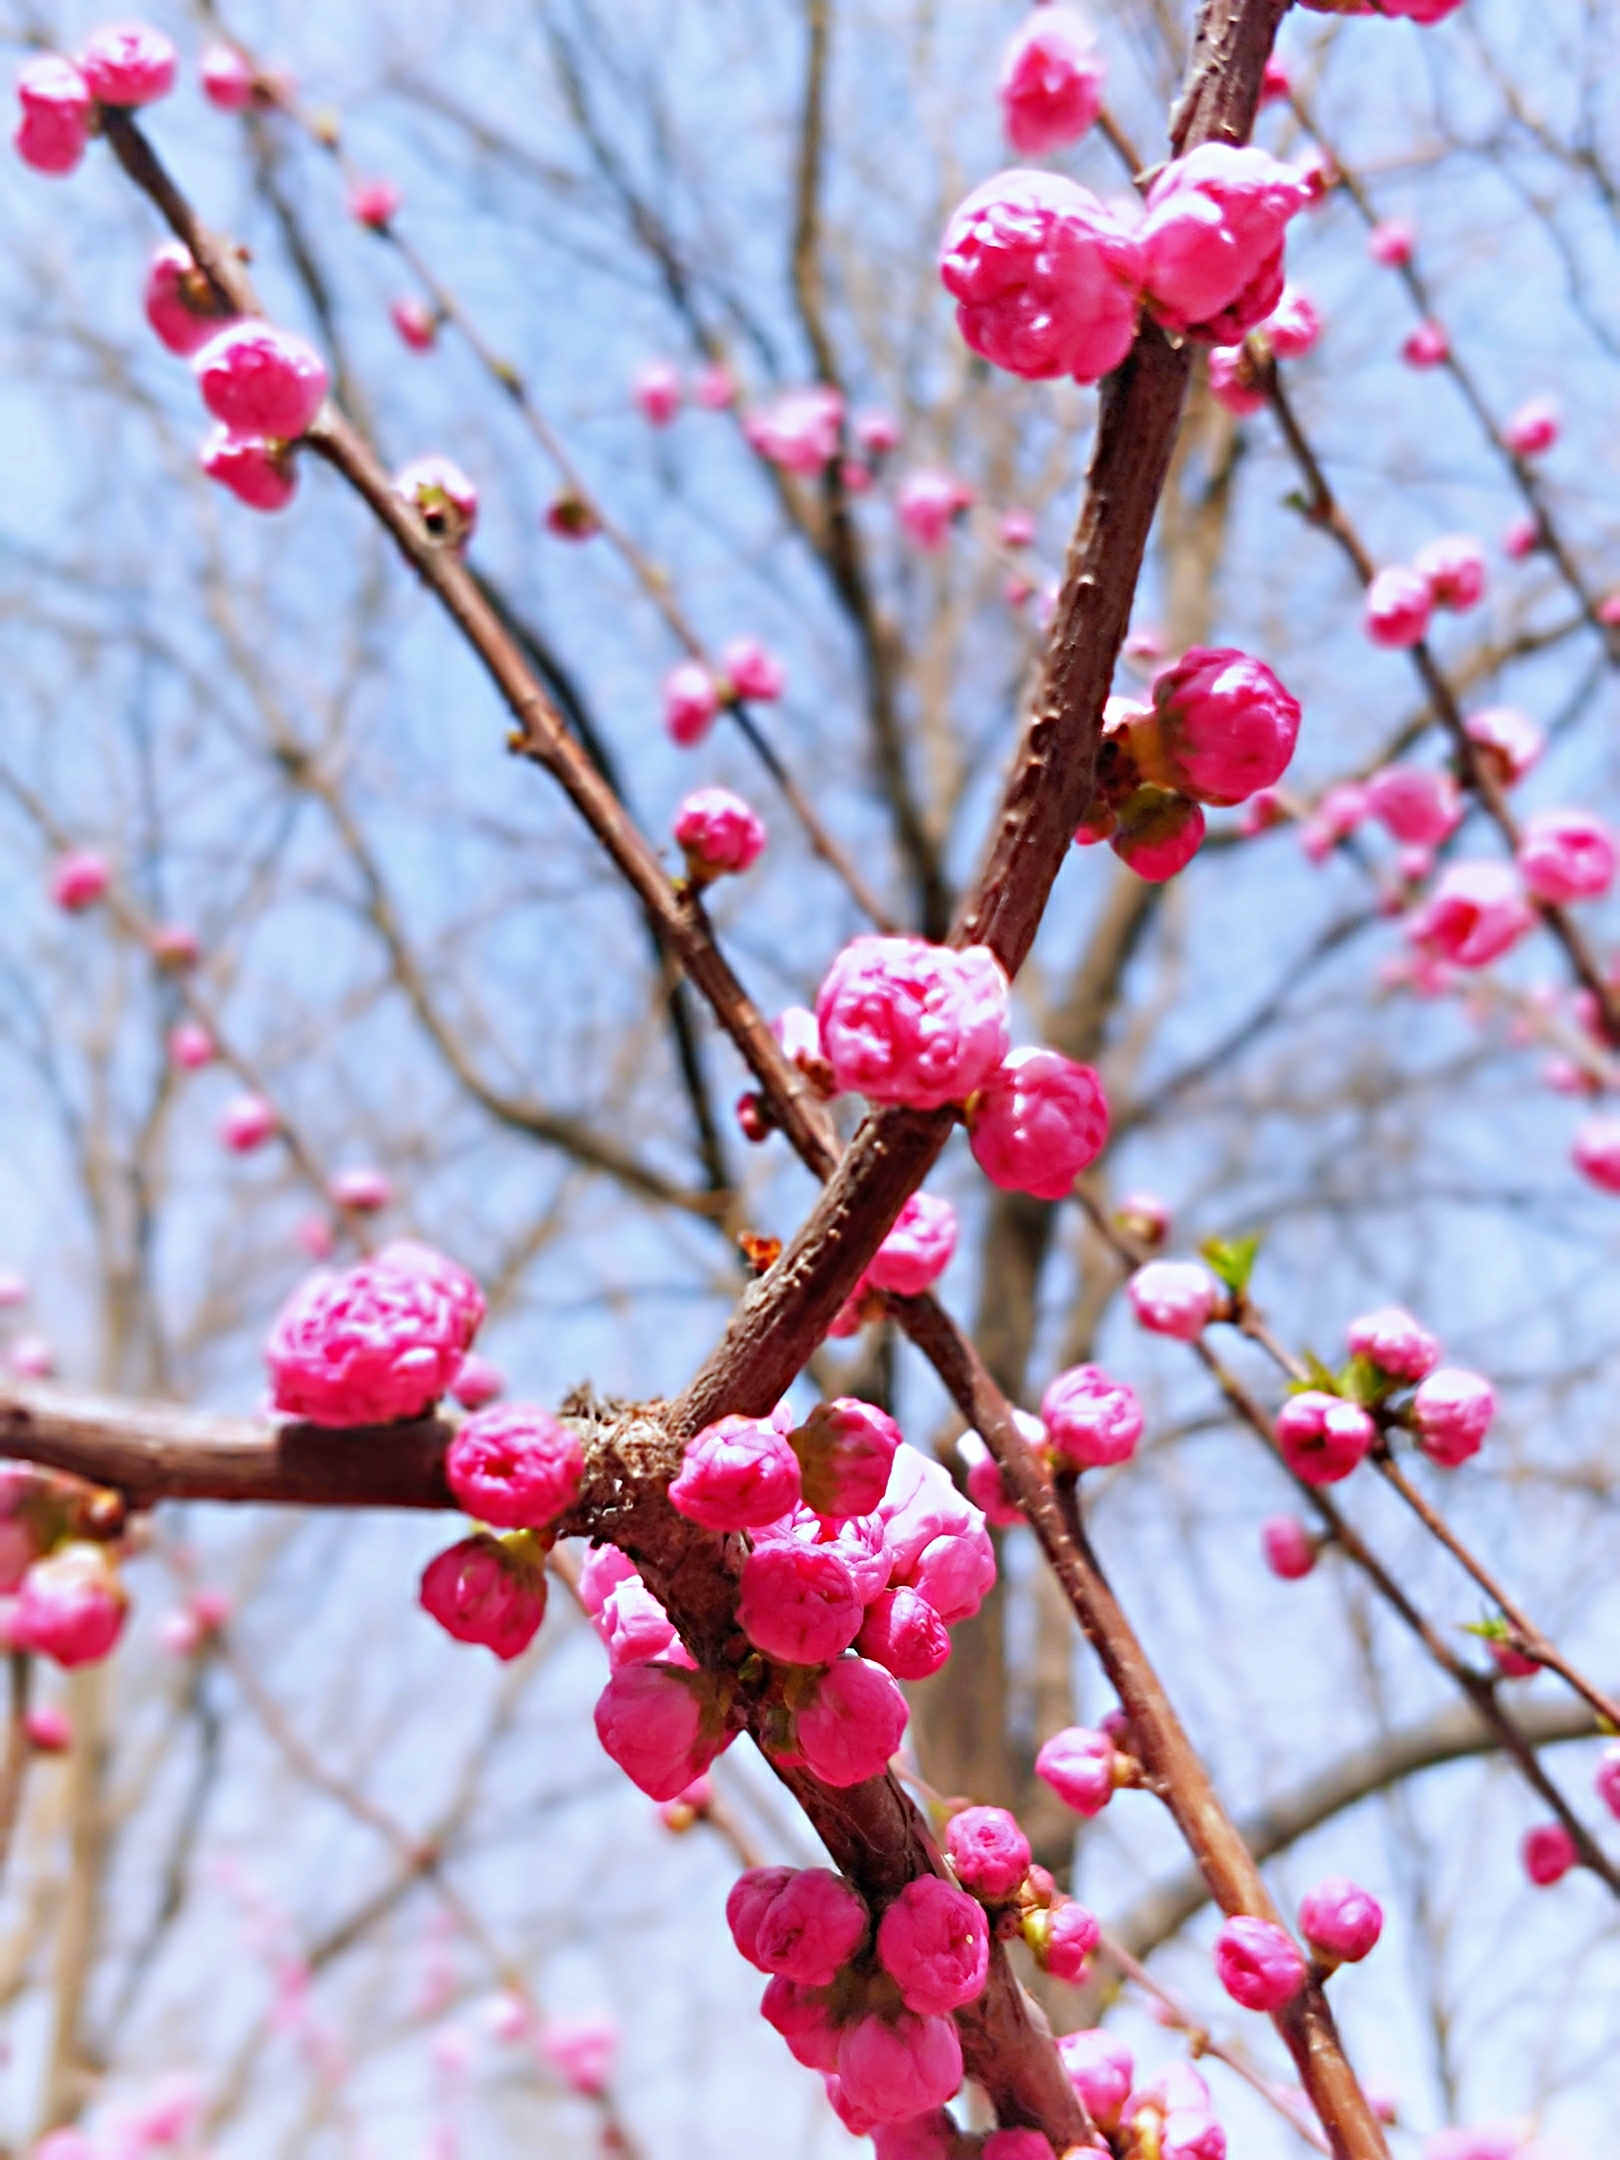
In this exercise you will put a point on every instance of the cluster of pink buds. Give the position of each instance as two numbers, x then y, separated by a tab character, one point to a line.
1401	600
264	386
380	1342
124	66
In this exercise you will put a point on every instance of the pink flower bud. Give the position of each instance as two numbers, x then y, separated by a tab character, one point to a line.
516	1467
852	1724
364	1190
1222	725
1393	1341
800	431
363	1348
1036	1122
417	324
602	1569
1321	1437
1233	382
1566	855
1294	326
691	701
1398	606
1079	1767
1051	85
1548	1853
1510	1663
1066	1939
443	498
375	203
258	471
48	1730
228	80
128	64
258	380
906	1022
892	2069
718	833
1454	571
753	670
71	1607
1418	807
662	1725
57	110
1156	833
798	1603
736	1475
846	1451
988	1851
1476	912
1212	240
1091	1420
1596	1153
810	1926
1510	740
877	432
917	1250
405	1256
1452	1411
1258	1963
482	1591
180	303
1606	1779
1391	243
937	1542
1045	277
1290	1550
1340	1920
1017	2145
902	1632
1174	1297
247	1122
477	1383
1017	529
1533	429
934	1944
634	1627
581	2050
713	387
1428	346
749	1899
656	389
79	879
1101	2070
803	2017
928	504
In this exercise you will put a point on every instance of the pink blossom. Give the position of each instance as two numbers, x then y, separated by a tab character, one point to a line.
803	2017
936	1540
1452	1411
1212	240
1046	279
798	1603
892	2069
1221	726
1051	84
1258	1963
603	1568
1427	346
858	1542
71	1607
1340	1920
656	389
78	879
1017	529
934	1944
1393	1341
1566	855
48	1730
928	503
1391	243
748	1901
988	1486
364	1190
1476	912
1321	1437
1338	813
902	1632
846	1450
1510	740
1606	1779
247	1122
1233	382
800	430
1172	2115
1275	80
1521	536
57	110
128	64
877	432
1036	1122
482	1590
516	1467
261	381
1174	1297
1294	325
228	80
416	322
1596	1153
852	1723
753	670
581	2050
918	1249
256	470
180	303
736	1475
406	1256
1156	833
1414	805
1533	429
718	833
1101	2070
1454	570
662	1725
634	1627
1091	1420
1067	1939
808	1927
714	387
363	1348
1548	1853
442	496
1290	1550
906	1022
375	203
1079	1767
1510	1663
988	1850
691	700
1398	606
477	1383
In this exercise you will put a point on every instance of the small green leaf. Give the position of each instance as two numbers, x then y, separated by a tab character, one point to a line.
1363	1381
1321	1377
1232	1260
